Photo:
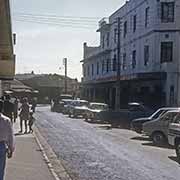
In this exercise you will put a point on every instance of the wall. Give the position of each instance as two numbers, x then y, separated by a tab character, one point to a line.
0	88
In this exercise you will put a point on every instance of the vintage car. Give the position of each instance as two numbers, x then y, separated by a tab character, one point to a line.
57	104
94	110
78	108
174	135
67	103
158	129
137	124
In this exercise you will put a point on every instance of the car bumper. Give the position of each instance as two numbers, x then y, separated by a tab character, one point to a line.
171	139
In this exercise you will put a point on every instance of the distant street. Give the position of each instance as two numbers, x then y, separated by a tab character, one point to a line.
93	152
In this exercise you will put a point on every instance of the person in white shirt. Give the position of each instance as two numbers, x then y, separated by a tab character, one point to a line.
6	140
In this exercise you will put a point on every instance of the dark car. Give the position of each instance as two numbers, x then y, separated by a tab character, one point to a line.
137	124
57	104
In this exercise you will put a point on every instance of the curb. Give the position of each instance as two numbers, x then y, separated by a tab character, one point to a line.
50	167
62	174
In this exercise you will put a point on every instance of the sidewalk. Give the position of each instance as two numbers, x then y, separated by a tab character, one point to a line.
27	162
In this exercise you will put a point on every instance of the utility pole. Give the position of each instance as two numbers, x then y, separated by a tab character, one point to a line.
65	81
118	88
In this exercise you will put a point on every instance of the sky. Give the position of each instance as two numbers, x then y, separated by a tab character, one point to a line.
42	47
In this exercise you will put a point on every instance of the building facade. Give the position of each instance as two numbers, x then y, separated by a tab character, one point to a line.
7	57
138	57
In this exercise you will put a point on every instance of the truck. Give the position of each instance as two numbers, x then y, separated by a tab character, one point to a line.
174	135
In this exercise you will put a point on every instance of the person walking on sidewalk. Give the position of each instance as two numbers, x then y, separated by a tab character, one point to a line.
16	103
6	140
31	122
24	115
8	107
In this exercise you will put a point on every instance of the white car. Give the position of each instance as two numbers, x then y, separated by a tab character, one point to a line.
94	109
78	108
174	135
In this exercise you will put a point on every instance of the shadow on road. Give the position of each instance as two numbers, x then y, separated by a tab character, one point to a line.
174	158
105	127
165	146
96	122
141	138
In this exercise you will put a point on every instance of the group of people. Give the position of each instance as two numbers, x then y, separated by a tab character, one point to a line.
9	111
26	116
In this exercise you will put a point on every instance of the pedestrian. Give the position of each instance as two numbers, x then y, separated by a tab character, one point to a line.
31	122
16	103
6	140
8	108
24	115
34	104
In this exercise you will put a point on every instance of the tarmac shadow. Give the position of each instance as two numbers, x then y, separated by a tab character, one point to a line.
174	158
141	138
106	127
165	146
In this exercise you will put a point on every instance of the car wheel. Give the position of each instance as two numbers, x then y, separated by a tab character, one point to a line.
158	138
178	151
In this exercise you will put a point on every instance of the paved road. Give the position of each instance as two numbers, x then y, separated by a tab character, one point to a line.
91	152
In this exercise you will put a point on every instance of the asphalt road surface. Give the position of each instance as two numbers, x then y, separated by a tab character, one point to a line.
93	152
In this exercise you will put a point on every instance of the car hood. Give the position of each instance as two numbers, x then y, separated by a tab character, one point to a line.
81	108
95	110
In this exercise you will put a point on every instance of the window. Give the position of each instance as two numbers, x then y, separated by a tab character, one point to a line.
92	69
114	63
166	52
107	39
84	71
147	16
146	55
167	12
115	35
102	66
107	65
134	23
88	70
97	68
103	38
134	59
125	28
171	96
124	61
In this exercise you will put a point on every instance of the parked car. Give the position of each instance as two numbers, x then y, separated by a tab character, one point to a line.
137	124
94	109
124	117
174	135
57	104
67	104
157	129
78	108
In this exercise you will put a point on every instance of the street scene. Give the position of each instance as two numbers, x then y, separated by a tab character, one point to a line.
90	90
92	151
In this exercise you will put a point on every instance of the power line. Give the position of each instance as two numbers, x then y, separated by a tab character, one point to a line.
54	24
57	21
51	15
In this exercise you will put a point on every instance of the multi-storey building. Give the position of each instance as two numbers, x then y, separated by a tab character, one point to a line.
7	57
138	58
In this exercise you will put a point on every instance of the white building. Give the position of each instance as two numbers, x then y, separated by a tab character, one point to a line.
145	67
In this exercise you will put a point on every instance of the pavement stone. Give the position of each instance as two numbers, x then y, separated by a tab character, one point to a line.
28	162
